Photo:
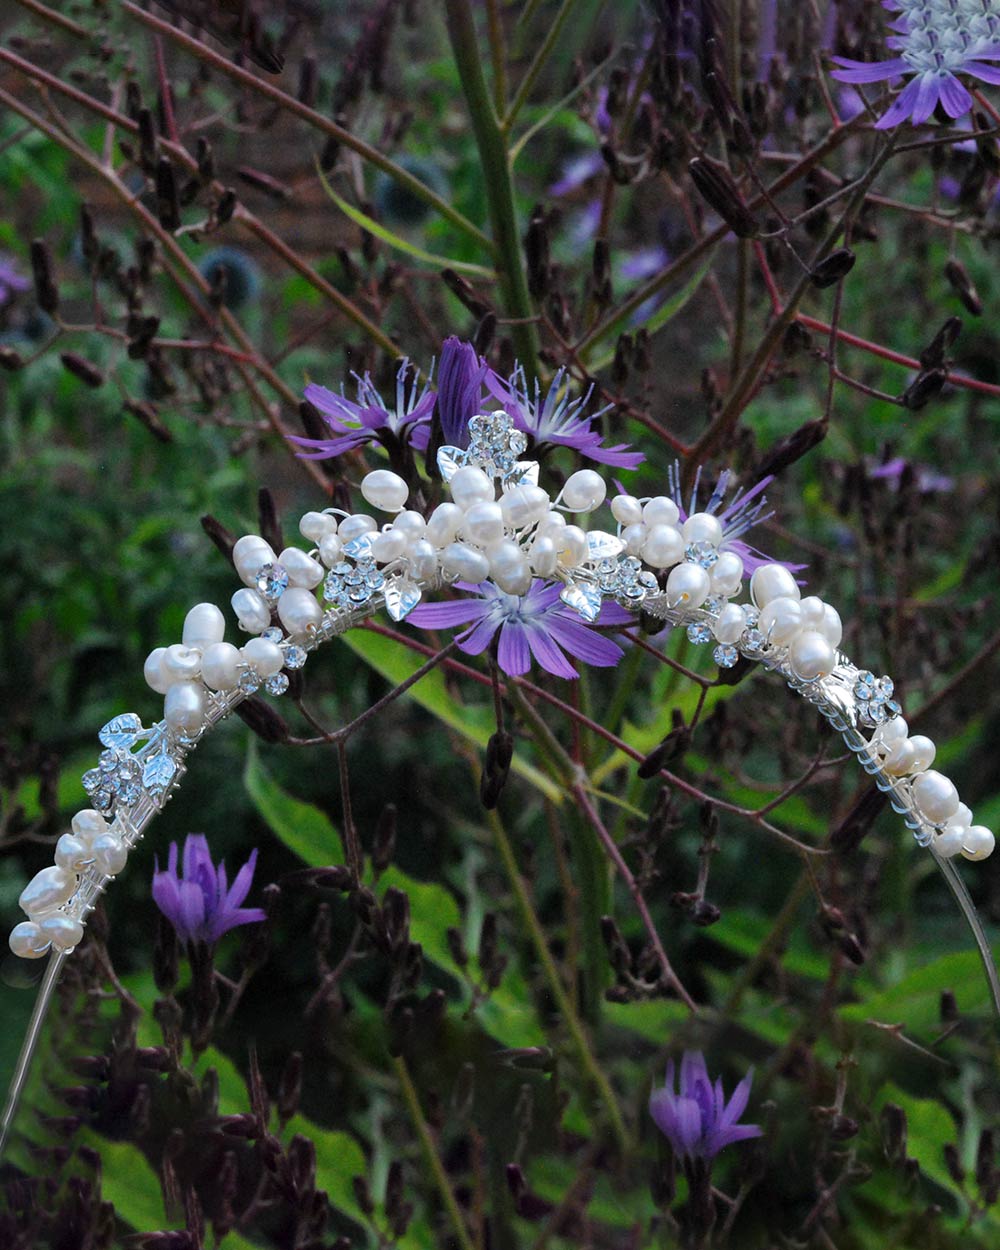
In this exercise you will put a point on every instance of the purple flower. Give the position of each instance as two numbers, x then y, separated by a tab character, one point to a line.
10	280
927	479
201	905
370	419
937	40
537	624
697	1120
460	389
556	419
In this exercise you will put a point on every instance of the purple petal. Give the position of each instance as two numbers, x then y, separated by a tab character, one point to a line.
901	107
663	1107
327	447
985	73
475	640
612	613
191	911
693	1070
166	895
738	1103
445	615
513	654
928	94
547	653
583	643
862	71
955	100
718	1139
687	1126
242	882
223	921
336	408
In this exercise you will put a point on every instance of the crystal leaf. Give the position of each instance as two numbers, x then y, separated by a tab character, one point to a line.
583	599
122	731
401	597
602	546
450	460
158	773
525	473
359	548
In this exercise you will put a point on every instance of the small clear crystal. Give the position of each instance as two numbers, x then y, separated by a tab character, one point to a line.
704	553
725	655
714	604
752	616
273	634
108	760
271	581
277	684
129	793
295	656
249	681
93	780
698	633
753	640
103	799
332	586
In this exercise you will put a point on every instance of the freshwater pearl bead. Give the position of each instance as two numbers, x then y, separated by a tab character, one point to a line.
220	666
552	526
483	524
410	524
184	707
935	795
726	575
949	843
899	761
330	549
88	823
544	557
180	663
811	609
465	563
354	526
26	940
443	524
962	817
660	511
509	568
663	547
924	751
572	545
702	527
730	623
72	853
110	854
524	505
299	611
301	568
389	545
251	611
64	932
626	510
810	656
203	625
780	620
772	581
423	560
470	485
47	890
687	584
152	671
978	842
584	491
249	553
634	537
892	732
316	525
831	627
385	490
266	657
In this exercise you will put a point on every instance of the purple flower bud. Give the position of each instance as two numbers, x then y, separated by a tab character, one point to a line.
697	1120
201	905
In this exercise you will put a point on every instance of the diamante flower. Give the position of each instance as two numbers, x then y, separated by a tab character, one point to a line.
370	419
537	624
697	1120
201	905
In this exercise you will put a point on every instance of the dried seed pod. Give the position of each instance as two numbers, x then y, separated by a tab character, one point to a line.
716	186
671	748
46	291
927	385
496	768
82	369
792	447
832	268
225	207
168	207
933	355
963	286
465	293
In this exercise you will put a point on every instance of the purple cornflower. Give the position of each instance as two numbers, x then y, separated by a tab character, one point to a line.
201	905
10	280
370	419
556	419
697	1120
460	389
535	624
937	40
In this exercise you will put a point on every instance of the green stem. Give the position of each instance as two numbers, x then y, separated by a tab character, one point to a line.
496	174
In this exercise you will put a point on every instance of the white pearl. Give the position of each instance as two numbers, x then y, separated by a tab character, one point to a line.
924	751
584	491
831	627
780	620
424	561
72	853
220	666
978	842
330	549
443	524
702	527
572	546
389	545
301	568
483	524
509	568
354	526
251	611
384	490
470	485
410	524
180	663
899	761
47	890
249	553
152	671
544	557
266	657
299	610
730	623
811	609
663	547
552	526
316	525
892	732
88	824
772	581
110	854
184	707
726	574
935	795
687	584
64	932
949	843
26	940
962	817
810	656
634	537
660	511
465	563
524	505
626	510
203	625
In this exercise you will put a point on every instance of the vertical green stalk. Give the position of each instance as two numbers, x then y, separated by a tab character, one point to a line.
496	173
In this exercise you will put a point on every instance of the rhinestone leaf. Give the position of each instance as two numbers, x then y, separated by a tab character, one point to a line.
450	460
583	599
525	473
359	548
121	732
401	597
602	546
158	773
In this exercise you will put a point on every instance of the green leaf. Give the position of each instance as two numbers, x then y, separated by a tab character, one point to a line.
916	1000
302	827
744	932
